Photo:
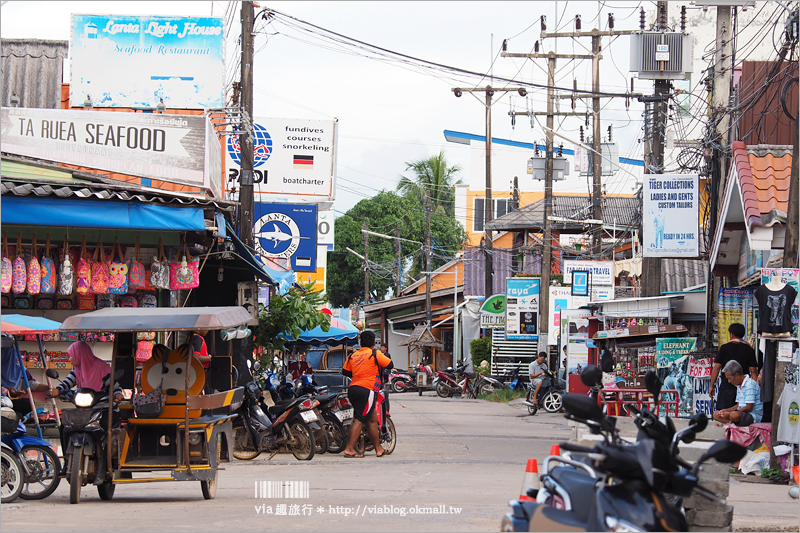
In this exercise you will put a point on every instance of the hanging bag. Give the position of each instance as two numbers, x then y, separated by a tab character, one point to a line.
8	268
84	271
117	270
66	275
48	285
136	271
152	404
20	270
100	275
184	274
34	270
159	269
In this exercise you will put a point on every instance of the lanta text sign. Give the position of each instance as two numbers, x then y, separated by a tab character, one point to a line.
136	61
670	214
522	309
293	159
171	148
601	272
287	231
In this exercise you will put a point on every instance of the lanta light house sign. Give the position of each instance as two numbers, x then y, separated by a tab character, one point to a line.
287	231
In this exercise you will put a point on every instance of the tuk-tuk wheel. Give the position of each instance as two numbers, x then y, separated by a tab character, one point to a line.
209	487
106	490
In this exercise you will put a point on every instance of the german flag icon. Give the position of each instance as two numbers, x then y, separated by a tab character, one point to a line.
304	161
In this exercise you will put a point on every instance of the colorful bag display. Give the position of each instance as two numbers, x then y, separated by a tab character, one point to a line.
159	269
45	301
66	274
105	300
83	271
19	273
100	274
22	302
184	274
86	301
148	300
48	285
34	270
144	351
8	268
136	271
117	270
65	303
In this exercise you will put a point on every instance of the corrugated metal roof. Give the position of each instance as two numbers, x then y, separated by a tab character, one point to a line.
617	210
678	274
33	69
474	278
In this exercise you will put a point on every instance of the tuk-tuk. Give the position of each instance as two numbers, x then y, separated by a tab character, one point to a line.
190	432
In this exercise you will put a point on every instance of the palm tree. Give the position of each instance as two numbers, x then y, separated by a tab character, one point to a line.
434	175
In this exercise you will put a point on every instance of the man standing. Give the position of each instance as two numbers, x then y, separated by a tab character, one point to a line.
536	373
748	409
364	368
735	350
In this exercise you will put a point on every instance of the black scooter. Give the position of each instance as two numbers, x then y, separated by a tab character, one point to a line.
550	394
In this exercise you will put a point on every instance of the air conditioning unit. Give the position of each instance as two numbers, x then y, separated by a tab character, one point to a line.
659	55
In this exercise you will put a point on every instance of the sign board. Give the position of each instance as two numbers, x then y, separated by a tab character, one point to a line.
287	231
172	148
493	312
662	52
574	334
670	211
559	299
325	229
700	367
522	309
293	160
602	272
701	397
580	282
135	61
672	362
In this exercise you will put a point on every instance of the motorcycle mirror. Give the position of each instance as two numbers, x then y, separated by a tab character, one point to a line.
256	365
653	384
591	375
699	421
582	407
51	373
689	437
724	451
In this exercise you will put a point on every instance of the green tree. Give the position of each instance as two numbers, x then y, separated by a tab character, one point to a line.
481	350
434	175
288	316
384	211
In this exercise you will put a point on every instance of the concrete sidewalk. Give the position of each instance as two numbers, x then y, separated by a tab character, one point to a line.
763	507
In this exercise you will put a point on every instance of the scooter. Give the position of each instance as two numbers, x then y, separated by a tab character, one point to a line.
452	381
550	395
41	466
386	431
516	383
618	487
403	380
337	419
13	473
486	384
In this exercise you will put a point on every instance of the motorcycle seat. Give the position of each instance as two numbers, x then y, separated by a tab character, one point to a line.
282	406
326	398
580	487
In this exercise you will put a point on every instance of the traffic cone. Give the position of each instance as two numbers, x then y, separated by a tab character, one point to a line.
555	450
530	481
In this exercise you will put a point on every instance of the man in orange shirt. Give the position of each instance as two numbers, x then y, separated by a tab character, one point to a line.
364	367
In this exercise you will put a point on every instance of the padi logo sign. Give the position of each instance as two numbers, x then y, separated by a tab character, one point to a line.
262	146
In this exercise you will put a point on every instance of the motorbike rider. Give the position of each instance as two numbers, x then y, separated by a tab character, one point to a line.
364	368
536	372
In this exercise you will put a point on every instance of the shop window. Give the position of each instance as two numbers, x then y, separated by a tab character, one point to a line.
501	207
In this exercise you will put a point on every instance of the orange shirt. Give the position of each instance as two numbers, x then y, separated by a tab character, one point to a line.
365	373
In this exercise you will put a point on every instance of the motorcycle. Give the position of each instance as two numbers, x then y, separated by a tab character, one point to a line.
402	380
386	431
11	470
516	383
618	487
486	385
40	464
285	425
452	381
550	394
334	409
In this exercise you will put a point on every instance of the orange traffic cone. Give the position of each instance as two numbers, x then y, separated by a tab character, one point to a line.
530	481
555	450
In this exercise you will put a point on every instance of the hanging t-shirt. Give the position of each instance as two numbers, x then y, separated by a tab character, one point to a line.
789	422
775	309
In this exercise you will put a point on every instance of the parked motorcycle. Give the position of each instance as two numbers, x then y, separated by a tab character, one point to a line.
289	424
453	381
334	409
11	469
484	384
403	380
550	394
617	487
516	383
41	466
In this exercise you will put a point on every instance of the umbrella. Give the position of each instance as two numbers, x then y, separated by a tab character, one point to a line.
339	333
21	324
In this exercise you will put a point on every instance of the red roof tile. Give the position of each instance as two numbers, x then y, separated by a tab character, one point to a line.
764	182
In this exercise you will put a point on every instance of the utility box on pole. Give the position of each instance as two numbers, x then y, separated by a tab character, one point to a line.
657	55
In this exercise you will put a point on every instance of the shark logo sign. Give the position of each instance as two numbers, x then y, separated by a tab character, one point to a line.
287	231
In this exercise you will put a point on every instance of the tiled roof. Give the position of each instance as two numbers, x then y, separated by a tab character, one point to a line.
617	210
764	172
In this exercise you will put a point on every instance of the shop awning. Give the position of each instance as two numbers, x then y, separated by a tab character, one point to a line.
100	214
640	331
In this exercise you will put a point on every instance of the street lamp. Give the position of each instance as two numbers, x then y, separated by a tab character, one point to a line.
161	107
87	104
14	100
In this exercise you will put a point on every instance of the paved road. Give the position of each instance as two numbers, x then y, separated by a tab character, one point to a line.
468	456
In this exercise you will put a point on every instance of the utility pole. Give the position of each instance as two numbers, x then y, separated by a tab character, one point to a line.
547	238
487	204
428	251
597	162
246	199
399	262
366	262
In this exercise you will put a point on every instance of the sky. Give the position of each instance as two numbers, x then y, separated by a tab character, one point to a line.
391	113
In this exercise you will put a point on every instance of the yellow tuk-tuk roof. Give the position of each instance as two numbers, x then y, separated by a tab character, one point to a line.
120	319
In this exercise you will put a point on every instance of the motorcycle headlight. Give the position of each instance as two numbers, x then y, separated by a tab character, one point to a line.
84	399
621	526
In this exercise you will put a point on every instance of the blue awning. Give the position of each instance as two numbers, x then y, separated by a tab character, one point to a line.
99	214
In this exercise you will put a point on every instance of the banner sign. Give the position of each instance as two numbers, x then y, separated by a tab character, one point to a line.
325	229
670	211
580	282
288	231
701	397
560	298
293	159
672	361
136	61
700	368
493	312
522	309
602	272
172	148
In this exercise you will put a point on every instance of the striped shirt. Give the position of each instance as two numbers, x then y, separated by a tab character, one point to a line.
71	381
750	392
